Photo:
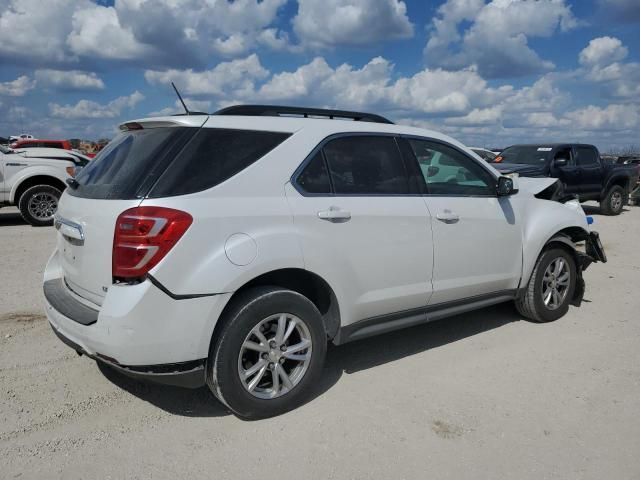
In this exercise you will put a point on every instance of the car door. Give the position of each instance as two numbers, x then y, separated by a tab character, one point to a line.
361	226
569	173
590	170
477	237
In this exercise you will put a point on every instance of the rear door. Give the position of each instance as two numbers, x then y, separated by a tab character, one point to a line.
107	186
590	170
362	228
477	240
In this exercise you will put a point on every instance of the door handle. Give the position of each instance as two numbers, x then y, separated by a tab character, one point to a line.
335	215
448	217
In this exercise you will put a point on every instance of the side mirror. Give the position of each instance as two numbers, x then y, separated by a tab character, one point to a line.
432	171
506	187
561	162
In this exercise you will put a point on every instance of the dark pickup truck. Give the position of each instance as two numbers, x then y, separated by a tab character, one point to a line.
579	168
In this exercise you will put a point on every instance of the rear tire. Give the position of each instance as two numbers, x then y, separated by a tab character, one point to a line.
284	377
547	296
38	205
614	201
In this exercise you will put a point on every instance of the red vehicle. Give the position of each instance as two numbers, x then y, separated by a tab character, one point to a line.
36	142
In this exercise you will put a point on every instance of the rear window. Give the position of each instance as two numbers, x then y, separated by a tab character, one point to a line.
131	163
529	155
213	156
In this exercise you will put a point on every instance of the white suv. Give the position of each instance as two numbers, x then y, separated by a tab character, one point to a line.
229	249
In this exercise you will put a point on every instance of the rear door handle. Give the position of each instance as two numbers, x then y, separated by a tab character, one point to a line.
334	215
448	217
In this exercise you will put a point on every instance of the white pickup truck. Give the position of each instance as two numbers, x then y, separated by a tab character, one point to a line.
33	179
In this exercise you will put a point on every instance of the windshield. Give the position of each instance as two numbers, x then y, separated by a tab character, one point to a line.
128	166
485	154
528	155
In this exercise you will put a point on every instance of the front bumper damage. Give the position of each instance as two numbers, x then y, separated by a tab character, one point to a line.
594	252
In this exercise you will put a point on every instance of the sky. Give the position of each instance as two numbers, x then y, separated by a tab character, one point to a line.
487	72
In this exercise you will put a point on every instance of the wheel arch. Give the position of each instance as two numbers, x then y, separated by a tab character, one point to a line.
28	182
565	238
304	282
617	180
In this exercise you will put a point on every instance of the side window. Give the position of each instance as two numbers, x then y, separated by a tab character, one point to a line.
449	172
586	156
366	165
213	156
315	177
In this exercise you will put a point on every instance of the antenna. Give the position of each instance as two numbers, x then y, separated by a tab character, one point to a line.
181	100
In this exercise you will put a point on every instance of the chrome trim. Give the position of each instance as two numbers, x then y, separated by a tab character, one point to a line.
68	228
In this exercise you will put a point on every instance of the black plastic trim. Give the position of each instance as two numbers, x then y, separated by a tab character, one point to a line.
60	299
175	296
182	374
279	110
409	318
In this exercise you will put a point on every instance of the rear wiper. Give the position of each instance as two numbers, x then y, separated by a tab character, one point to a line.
73	183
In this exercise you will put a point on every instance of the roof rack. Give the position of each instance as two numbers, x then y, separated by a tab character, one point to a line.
277	111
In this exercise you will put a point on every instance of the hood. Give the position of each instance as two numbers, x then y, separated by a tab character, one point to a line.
533	186
521	169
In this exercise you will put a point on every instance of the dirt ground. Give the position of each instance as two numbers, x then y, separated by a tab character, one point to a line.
481	395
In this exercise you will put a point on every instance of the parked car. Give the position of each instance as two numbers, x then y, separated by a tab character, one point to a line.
33	180
24	136
39	143
485	154
579	168
230	249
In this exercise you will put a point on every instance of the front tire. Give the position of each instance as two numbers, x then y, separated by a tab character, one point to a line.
38	204
268	354
550	288
614	201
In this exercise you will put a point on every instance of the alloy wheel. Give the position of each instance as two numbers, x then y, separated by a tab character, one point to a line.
43	205
616	201
275	356
555	283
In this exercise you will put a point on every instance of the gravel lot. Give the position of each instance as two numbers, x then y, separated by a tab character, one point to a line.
481	395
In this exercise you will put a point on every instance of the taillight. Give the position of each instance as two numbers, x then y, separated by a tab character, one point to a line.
143	236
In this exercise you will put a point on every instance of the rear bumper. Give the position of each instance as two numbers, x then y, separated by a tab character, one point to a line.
138	329
184	374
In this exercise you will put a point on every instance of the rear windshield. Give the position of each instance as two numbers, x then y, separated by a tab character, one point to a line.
129	165
164	162
529	155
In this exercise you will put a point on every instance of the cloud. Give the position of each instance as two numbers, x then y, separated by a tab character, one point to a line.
18	87
35	32
236	75
192	104
332	23
497	39
89	109
97	31
69	80
603	51
602	61
611	117
374	86
154	33
477	117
